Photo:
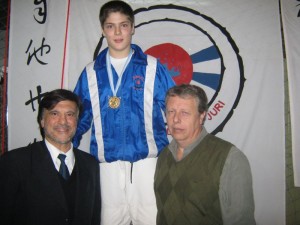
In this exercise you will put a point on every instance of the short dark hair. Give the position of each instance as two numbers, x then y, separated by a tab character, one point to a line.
50	100
115	6
189	90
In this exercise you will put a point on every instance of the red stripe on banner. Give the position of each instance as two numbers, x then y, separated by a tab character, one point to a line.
4	94
65	46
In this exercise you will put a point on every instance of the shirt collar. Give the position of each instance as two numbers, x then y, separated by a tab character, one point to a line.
174	145
54	152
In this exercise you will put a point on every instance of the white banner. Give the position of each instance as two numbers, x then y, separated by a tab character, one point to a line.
230	48
291	26
36	49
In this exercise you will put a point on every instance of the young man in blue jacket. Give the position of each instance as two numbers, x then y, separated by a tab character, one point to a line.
123	93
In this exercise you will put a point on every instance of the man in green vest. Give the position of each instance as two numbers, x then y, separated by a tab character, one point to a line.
200	179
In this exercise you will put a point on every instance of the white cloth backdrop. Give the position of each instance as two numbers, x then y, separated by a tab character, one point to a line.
291	25
36	47
234	50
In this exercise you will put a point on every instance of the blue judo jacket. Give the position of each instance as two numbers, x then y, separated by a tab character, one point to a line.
136	129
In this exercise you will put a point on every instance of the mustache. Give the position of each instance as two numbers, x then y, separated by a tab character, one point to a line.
62	126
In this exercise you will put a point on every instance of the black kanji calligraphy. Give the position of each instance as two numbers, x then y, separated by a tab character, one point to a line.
37	98
41	11
37	53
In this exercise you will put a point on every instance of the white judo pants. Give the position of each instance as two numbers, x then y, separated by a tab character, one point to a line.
128	196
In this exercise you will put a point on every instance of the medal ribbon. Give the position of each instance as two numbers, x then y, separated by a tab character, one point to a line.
110	75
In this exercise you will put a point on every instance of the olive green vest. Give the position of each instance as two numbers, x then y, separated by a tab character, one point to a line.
187	191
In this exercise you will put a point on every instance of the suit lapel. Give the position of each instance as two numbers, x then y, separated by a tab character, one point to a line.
45	173
84	185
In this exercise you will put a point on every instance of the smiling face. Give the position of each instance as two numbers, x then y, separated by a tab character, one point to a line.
183	119
60	124
118	30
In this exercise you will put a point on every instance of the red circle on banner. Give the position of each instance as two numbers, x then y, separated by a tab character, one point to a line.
177	60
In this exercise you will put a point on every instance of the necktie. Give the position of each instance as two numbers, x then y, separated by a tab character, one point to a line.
63	169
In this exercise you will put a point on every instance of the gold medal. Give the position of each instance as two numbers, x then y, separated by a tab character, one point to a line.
114	102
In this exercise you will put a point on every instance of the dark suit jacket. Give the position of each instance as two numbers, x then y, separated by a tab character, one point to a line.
31	193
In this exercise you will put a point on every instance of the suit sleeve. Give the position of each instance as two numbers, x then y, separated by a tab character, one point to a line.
97	209
9	186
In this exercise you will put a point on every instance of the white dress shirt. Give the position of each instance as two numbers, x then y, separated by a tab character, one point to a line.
54	152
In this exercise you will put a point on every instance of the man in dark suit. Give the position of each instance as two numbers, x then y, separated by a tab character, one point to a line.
38	188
